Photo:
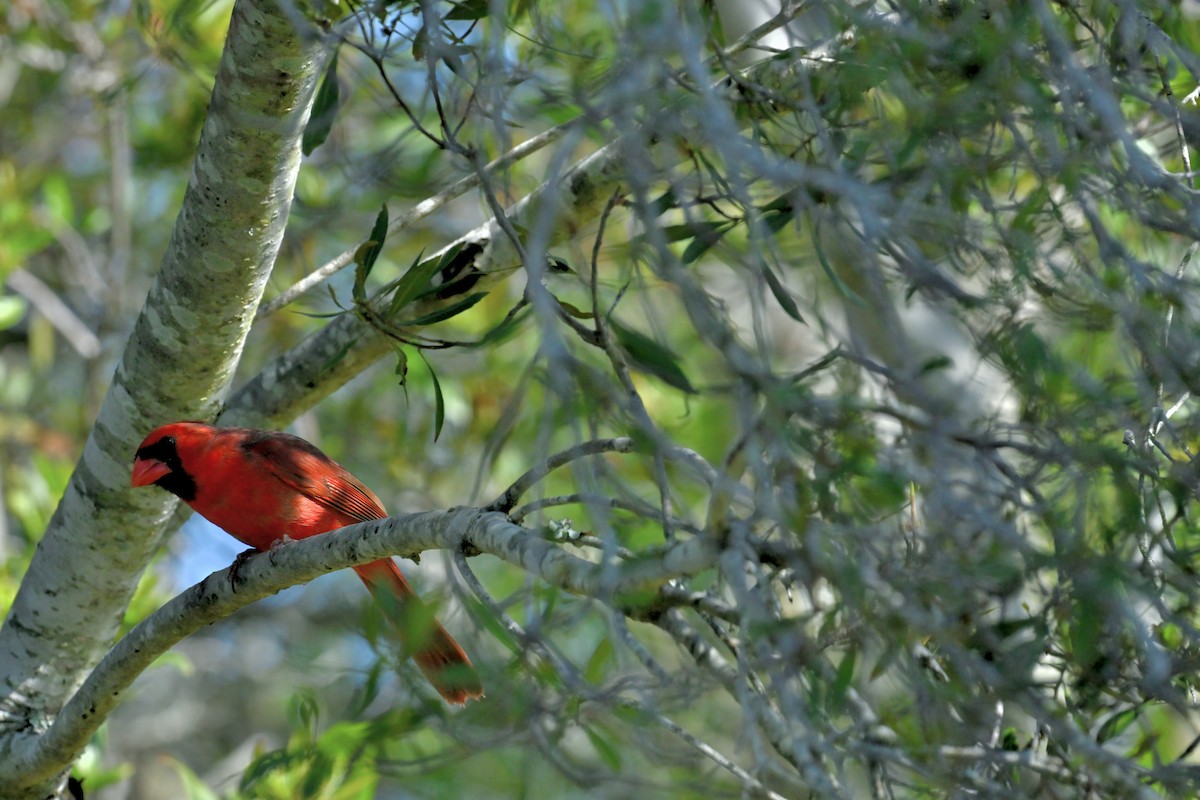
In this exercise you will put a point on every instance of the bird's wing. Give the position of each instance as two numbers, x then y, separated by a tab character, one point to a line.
307	470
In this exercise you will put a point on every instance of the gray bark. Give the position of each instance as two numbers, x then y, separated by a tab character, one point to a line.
178	363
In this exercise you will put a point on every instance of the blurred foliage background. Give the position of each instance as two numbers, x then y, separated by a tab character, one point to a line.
920	289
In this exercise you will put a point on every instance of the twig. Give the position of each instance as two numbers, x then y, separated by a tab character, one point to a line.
74	330
753	785
509	497
561	666
413	215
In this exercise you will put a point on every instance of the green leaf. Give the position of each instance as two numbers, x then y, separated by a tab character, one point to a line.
609	754
264	765
936	363
194	786
449	311
324	110
319	773
841	682
885	661
663	203
343	738
56	192
704	242
689	230
420	42
520	9
12	309
468	9
718	179
494	628
369	691
506	328
777	221
1116	724
781	203
305	712
776	214
781	294
368	253
439	402
418	276
401	365
574	310
439	414
829	270
333	296
652	357
594	671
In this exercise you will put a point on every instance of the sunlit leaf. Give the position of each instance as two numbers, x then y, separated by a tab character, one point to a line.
12	309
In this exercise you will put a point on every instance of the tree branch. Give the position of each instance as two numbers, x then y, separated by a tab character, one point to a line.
418	212
38	756
300	378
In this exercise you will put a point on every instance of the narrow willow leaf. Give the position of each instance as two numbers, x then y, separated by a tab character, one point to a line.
652	357
507	327
449	311
599	661
704	242
368	253
413	283
841	683
324	110
575	311
401	371
468	9
1117	724
439	402
608	753
781	294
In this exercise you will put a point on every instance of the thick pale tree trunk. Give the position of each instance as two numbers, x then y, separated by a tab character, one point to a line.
178	363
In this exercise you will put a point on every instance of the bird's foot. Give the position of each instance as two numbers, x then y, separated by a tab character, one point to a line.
275	545
236	567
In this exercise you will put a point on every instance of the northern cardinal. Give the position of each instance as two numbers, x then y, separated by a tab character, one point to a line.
262	486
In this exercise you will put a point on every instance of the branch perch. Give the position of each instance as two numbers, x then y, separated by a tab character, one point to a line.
471	530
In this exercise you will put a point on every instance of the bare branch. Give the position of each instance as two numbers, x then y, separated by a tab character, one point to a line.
216	597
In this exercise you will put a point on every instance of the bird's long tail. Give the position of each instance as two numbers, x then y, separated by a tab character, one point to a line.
440	658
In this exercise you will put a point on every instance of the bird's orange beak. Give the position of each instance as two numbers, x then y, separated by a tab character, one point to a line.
147	470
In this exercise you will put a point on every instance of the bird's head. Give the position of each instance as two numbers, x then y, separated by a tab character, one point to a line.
162	457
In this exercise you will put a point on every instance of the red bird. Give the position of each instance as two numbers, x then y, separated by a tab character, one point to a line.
262	486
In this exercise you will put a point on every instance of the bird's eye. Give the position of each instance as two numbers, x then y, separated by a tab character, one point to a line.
169	441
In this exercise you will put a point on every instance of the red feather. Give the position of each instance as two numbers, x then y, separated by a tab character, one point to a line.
260	486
